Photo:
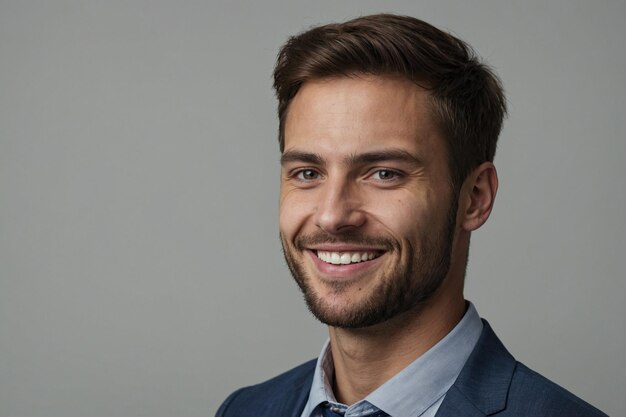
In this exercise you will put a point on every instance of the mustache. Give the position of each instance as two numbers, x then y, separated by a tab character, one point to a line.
349	238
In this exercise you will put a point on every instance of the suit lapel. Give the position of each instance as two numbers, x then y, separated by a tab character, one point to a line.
483	384
455	404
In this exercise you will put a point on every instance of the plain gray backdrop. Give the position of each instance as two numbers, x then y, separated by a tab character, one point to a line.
140	266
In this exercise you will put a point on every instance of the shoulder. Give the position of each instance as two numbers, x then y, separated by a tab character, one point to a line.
532	394
272	395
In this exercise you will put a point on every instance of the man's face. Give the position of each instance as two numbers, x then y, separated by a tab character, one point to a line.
366	213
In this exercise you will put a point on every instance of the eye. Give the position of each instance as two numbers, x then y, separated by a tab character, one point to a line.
385	175
307	175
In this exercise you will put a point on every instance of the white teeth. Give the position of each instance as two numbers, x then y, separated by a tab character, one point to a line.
345	258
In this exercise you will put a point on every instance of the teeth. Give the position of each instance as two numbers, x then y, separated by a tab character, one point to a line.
345	258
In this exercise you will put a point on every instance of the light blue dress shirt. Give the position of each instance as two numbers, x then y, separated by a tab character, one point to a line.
417	390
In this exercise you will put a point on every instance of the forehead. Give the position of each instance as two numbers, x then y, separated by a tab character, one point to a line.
345	113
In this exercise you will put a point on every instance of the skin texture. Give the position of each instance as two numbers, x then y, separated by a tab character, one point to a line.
365	170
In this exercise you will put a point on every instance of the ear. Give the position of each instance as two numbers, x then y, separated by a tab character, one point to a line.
477	196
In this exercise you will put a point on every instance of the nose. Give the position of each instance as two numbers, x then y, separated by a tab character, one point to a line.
339	207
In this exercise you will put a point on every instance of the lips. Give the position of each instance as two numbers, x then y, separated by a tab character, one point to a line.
346	257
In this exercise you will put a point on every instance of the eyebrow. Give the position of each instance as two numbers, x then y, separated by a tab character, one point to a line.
398	155
300	156
371	157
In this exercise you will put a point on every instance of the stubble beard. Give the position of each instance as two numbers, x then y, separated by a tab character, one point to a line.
411	283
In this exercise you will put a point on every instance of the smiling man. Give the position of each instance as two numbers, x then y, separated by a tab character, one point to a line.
388	130
366	223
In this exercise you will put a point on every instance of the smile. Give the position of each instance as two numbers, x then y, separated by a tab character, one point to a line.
346	258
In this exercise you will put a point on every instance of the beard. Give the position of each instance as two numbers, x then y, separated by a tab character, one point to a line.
407	286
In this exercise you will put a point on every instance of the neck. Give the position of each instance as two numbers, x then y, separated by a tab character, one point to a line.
366	358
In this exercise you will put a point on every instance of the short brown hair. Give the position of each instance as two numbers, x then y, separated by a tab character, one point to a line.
467	99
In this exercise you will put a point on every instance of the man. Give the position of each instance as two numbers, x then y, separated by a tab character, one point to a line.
388	130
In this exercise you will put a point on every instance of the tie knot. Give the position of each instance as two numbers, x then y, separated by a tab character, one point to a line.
363	410
330	410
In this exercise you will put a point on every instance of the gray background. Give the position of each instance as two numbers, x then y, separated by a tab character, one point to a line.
140	268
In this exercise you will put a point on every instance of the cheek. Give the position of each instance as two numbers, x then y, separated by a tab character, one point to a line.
293	211
400	212
413	220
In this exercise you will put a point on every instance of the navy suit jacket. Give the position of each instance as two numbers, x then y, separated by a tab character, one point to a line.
491	382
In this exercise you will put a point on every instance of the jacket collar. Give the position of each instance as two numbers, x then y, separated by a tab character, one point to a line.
483	384
481	388
296	397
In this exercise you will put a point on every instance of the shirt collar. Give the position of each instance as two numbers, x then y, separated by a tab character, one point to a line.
418	386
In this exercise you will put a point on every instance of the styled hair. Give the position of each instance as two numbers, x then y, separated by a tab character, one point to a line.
466	97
